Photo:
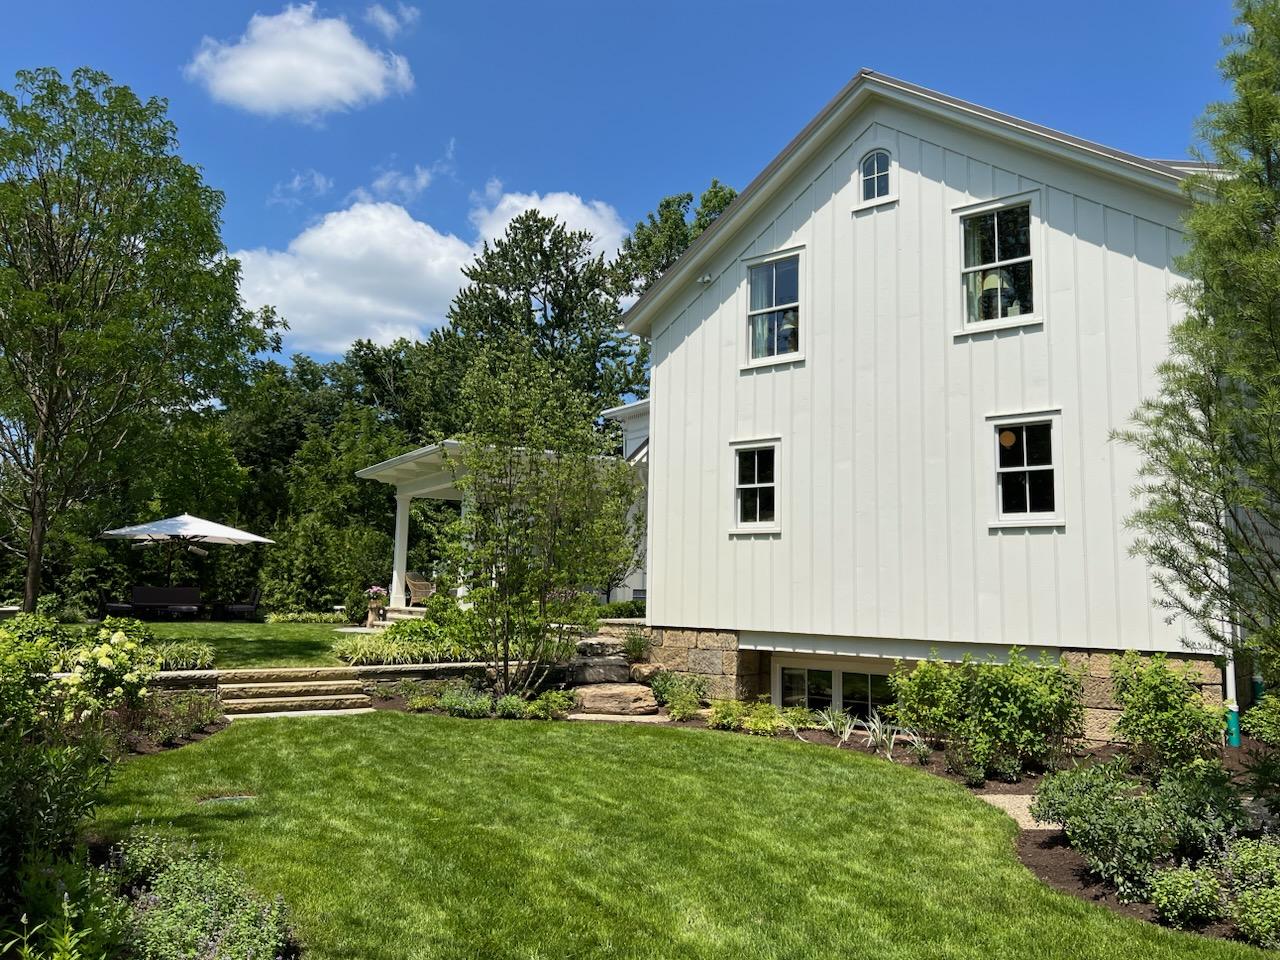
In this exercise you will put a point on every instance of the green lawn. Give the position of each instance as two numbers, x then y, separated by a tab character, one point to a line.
240	644
396	836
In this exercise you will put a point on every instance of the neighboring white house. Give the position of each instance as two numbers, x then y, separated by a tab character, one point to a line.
883	388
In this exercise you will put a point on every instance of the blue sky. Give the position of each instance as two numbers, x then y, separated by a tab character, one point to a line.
365	148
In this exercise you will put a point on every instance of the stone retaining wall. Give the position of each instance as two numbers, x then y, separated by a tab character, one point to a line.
713	655
1100	708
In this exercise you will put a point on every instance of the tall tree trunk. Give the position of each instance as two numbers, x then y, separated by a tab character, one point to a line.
35	555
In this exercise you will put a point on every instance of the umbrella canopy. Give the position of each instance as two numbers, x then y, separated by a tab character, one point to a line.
184	528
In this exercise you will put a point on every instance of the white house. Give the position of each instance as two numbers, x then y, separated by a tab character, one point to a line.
883	388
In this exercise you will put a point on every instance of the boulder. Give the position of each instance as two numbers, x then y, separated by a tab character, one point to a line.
618	698
600	670
643	672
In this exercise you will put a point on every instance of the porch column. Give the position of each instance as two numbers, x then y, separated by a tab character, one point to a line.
400	555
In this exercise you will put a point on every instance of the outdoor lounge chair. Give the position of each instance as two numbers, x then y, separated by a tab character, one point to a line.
420	588
246	608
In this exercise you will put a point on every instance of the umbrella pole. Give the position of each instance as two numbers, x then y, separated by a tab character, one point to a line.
169	564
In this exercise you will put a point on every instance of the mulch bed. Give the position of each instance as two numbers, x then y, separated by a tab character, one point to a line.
139	744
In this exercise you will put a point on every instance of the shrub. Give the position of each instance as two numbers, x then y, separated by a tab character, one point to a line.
636	645
109	672
1202	808
1263	720
1262	778
305	617
552	705
1186	897
183	654
195	903
170	717
796	719
683	704
136	630
1163	717
665	685
1251	864
510	707
837	723
998	719
1257	916
74	900
36	628
621	610
928	697
460	701
726	714
762	719
1120	831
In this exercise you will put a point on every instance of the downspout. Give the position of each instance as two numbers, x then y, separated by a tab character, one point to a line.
1233	705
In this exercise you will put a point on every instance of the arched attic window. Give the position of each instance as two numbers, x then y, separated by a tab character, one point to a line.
875	175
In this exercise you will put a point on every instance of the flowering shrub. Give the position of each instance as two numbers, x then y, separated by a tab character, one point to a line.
111	672
376	593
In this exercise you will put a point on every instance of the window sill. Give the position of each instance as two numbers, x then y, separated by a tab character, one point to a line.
767	529
773	361
1018	524
991	326
877	202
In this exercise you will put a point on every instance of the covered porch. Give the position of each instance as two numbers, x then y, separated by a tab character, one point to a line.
429	473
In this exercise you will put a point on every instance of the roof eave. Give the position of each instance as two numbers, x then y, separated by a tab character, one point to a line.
1151	174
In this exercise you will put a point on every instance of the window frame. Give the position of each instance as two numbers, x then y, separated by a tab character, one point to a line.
991	461
860	203
836	666
961	326
774	526
797	355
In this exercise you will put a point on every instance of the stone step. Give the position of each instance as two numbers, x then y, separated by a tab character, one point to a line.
627	699
599	646
405	613
286	674
305	688
342	701
611	669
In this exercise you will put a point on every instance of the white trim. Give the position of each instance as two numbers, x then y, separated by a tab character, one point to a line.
958	306
801	305
836	665
774	527
990	429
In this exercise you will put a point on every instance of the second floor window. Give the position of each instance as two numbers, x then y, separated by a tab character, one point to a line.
997	264
773	318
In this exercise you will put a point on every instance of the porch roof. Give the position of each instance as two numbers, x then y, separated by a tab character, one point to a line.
424	472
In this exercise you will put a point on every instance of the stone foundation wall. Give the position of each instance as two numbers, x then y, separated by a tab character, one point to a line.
1100	707
713	655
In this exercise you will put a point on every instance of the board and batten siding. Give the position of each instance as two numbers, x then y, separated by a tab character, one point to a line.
886	464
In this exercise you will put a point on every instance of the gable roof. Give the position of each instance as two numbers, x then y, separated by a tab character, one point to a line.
1161	176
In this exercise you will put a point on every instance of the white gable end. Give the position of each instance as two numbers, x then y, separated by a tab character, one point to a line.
883	424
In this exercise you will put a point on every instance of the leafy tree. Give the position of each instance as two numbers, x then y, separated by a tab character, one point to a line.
117	298
1209	520
540	289
548	517
657	242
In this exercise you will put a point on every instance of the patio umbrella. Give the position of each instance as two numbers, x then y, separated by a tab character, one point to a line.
183	529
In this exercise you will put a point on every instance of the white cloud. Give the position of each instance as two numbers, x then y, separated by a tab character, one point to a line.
304	184
374	271
299	64
496	209
406	186
392	23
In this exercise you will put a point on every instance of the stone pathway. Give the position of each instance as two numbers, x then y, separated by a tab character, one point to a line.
1017	806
